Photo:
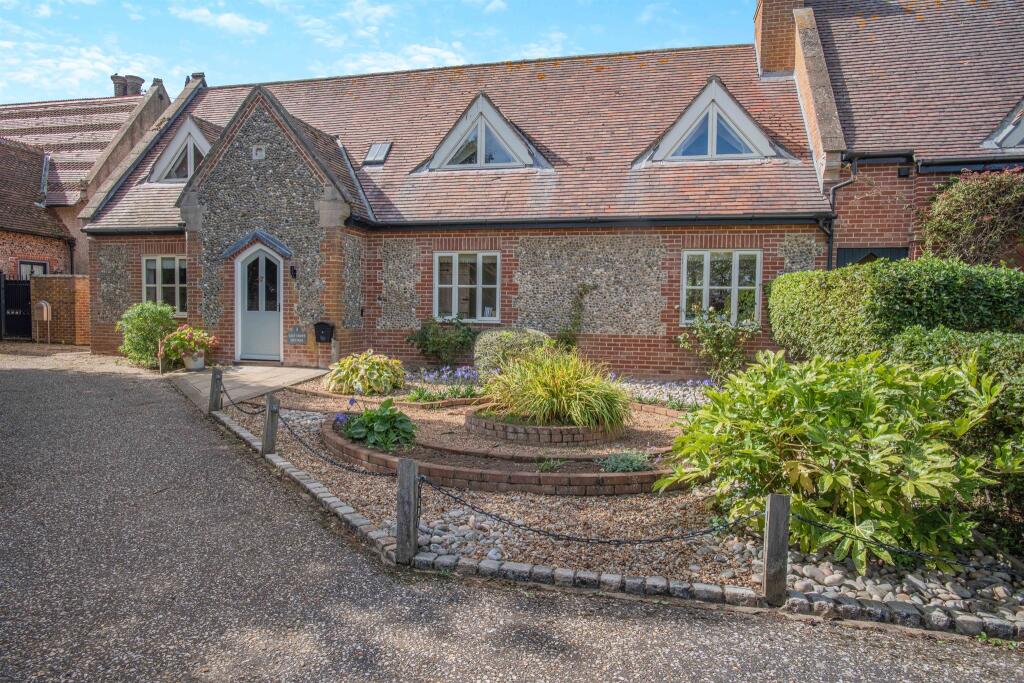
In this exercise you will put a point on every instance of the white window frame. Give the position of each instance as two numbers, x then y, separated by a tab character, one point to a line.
186	140
716	98
479	112
454	286
178	259
706	287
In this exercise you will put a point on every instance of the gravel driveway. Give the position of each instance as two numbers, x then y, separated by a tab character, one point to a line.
139	542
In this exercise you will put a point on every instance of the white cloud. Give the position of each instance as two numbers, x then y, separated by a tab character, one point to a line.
366	17
228	21
320	30
490	6
66	69
551	44
134	11
42	11
409	57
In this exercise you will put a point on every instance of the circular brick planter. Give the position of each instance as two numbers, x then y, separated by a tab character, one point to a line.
555	436
550	483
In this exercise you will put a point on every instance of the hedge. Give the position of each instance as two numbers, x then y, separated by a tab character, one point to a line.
857	309
998	353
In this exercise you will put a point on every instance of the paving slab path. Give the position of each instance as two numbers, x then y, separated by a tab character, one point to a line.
139	542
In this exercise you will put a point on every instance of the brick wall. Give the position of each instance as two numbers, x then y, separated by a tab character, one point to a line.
68	296
647	355
774	34
115	280
18	246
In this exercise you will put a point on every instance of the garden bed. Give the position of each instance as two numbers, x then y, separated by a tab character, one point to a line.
490	426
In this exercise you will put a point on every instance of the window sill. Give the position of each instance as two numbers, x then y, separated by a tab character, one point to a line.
473	321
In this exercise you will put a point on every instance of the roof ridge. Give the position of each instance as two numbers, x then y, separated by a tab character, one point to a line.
536	60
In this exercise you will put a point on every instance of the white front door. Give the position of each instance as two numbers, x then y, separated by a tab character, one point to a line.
260	305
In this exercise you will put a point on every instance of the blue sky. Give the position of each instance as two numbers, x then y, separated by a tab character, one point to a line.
68	48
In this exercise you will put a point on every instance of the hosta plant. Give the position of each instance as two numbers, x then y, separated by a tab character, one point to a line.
383	428
367	373
867	447
550	386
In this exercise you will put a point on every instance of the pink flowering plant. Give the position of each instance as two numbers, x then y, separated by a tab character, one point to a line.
187	341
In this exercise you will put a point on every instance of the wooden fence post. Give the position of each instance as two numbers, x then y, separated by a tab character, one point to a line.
408	513
216	385
776	548
269	442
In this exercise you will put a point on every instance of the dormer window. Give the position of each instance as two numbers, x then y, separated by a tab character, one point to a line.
713	127
713	136
182	156
481	139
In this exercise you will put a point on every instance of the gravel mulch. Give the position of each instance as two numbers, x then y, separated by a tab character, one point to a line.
448	525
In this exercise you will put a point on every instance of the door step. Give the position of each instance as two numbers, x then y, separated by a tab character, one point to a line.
260	363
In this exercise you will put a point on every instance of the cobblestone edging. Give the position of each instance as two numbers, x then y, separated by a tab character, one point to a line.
554	436
450	476
905	614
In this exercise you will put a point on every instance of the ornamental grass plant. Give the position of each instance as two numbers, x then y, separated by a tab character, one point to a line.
550	386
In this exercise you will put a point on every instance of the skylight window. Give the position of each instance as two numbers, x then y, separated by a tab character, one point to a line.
713	136
378	153
493	152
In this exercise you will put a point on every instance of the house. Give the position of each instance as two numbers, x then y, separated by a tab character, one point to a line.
631	187
53	155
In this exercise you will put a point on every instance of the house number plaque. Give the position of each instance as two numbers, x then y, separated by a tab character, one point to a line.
297	335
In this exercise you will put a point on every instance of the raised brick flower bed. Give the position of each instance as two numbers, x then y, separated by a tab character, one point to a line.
475	479
476	423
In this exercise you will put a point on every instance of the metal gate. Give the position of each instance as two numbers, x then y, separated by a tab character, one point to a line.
16	309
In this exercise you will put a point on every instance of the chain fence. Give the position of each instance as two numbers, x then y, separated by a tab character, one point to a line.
315	452
907	552
239	406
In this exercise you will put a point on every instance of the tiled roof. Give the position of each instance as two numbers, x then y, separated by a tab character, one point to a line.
591	117
21	176
74	132
935	78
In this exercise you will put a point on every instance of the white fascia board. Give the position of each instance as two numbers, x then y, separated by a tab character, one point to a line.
188	129
481	108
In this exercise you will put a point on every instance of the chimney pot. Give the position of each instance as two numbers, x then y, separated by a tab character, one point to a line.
133	84
120	85
198	74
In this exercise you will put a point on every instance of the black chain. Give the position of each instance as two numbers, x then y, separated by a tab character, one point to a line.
328	459
686	536
879	544
237	406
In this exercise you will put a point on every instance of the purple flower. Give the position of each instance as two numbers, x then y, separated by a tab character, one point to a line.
341	418
351	402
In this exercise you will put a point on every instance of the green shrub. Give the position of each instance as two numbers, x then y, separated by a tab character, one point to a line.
144	326
445	341
857	309
556	387
977	216
186	341
718	341
567	336
383	428
627	461
998	353
549	464
868	447
367	373
494	348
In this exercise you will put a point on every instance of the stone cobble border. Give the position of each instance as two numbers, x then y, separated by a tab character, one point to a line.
905	614
549	436
473	479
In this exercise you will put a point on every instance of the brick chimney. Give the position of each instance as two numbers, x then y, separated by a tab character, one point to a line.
120	85
775	35
133	85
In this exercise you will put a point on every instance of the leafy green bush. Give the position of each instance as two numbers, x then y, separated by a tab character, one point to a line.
367	373
144	326
445	341
857	309
383	428
186	341
494	348
627	461
555	387
977	216
868	447
718	341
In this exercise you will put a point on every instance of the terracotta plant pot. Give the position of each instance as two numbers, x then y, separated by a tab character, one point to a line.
195	361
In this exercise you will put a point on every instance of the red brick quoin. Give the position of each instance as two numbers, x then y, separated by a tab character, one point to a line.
555	484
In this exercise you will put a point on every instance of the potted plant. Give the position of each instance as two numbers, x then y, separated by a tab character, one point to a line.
190	344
